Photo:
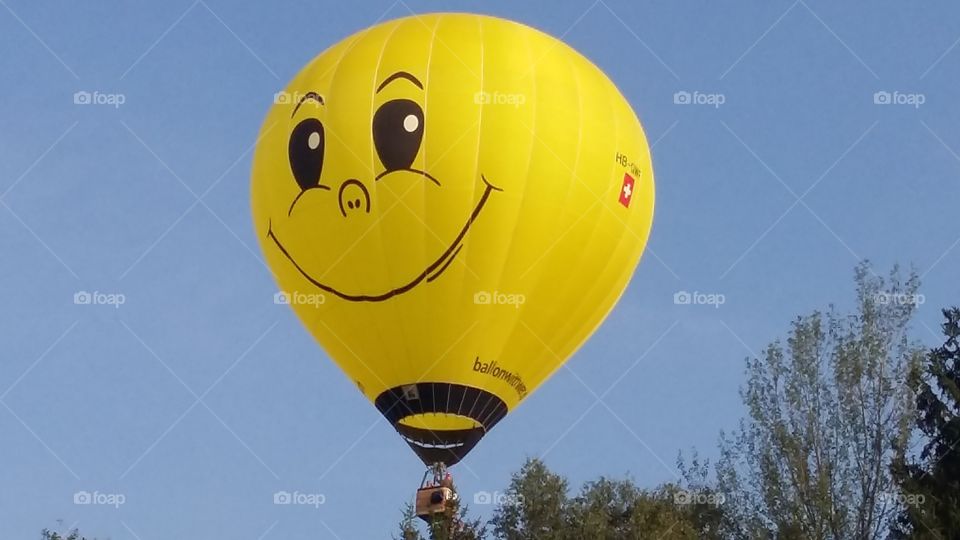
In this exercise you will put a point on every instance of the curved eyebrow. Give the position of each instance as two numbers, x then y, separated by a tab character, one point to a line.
312	96
400	75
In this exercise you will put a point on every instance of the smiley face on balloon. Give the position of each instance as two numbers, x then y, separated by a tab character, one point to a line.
397	133
422	172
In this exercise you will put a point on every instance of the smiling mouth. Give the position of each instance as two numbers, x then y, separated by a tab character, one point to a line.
430	273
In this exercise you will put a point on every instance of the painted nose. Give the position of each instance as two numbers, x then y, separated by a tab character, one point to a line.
354	198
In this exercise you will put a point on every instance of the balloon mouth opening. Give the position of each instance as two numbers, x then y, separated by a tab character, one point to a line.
441	422
438	430
426	440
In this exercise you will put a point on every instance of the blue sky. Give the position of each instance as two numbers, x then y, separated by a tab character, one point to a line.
197	399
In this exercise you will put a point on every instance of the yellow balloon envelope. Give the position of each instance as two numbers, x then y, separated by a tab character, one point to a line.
451	204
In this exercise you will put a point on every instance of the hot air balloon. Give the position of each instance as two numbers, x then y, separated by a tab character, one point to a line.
468	198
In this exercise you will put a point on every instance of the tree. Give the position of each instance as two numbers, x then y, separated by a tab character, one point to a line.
828	412
706	506
930	484
618	510
536	506
47	534
408	526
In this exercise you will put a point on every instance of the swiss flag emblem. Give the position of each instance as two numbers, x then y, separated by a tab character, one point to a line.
626	191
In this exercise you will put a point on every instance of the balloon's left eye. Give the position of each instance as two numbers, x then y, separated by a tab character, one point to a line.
305	151
398	132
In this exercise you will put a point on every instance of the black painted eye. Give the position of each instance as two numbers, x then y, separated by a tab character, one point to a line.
305	151
398	132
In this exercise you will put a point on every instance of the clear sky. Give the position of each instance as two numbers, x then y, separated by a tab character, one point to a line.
197	399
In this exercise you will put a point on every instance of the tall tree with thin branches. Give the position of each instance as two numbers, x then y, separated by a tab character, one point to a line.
828	409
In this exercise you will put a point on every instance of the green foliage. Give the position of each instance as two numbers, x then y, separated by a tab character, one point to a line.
617	509
930	484
408	526
604	509
537	505
828	413
47	534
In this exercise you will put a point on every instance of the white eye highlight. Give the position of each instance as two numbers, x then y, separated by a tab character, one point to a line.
314	140
411	123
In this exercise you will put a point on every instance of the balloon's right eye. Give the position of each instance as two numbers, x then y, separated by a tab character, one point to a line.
305	151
